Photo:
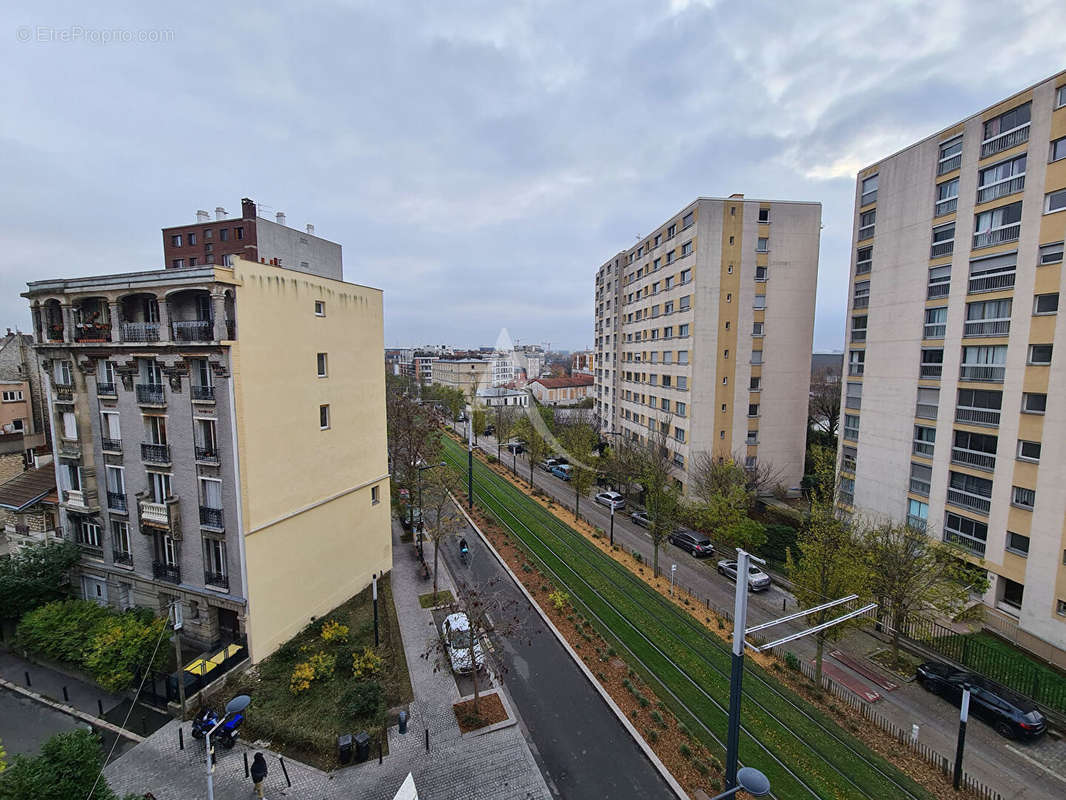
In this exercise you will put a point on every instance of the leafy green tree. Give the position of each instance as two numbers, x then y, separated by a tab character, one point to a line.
580	442
68	767
653	468
537	449
439	513
829	562
909	571
123	648
478	418
35	575
725	498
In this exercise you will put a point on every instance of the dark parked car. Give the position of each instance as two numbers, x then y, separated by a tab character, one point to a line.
517	447
641	518
490	430
1012	715
696	543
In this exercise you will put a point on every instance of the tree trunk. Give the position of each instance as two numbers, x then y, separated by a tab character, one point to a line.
435	550
895	640
820	646
473	666
655	565
577	505
531	474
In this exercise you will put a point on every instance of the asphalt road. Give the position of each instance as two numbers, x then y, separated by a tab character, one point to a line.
582	749
1019	770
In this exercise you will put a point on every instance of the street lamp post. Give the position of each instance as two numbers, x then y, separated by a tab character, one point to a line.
751	781
964	714
234	706
612	523
740	624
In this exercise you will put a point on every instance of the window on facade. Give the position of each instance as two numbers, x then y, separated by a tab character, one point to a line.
680	408
1040	354
755	383
856	362
1023	498
998	225
1028	451
869	190
1034	403
1017	543
866	224
849	455
967	533
320	308
1055	201
851	427
1046	303
753	409
762	245
1058	150
178	263
1006	122
764	215
686	248
928	402
682	330
921	478
323	416
685	276
757	329
322	365
688	219
950	155
682	382
1050	253
924	441
947	197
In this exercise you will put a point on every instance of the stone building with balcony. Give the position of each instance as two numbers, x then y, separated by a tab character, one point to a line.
953	407
202	455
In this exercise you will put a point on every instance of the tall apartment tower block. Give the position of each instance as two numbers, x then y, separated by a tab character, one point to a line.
219	436
704	331
954	400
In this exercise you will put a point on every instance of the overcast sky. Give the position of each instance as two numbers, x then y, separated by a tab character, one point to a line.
477	160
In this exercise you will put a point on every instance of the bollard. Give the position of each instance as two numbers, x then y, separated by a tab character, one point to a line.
246	763
285	771
144	725
784	603
427	740
28	678
380	757
100	705
403	722
66	697
181	739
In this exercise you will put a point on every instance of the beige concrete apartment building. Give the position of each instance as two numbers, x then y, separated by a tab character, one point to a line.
955	404
704	331
466	374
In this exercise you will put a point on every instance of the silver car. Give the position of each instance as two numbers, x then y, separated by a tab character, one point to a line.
758	581
456	630
611	500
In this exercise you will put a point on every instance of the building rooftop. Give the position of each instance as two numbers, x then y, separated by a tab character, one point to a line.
30	487
565	382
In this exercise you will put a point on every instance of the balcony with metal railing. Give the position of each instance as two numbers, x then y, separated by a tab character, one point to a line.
166	572
866	232
946	206
1005	141
994	191
982	373
941	249
924	449
212	517
930	371
994	282
219	579
202	394
200	330
936	290
106	389
109	445
116	501
934	330
969	415
968	501
155	453
122	558
856	369
140	331
918	486
64	392
986	327
861	302
925	410
151	394
918	523
990	238
858	335
949	165
973	458
968	543
847	498
207	455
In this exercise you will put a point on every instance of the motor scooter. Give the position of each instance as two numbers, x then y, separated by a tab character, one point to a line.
225	734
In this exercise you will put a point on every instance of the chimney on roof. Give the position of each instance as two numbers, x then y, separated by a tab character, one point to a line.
280	217
736	196
310	228
247	208
220	213
202	216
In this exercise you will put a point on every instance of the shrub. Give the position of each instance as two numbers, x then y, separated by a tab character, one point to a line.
68	766
644	701
638	557
366	663
62	630
791	661
364	699
559	599
651	735
317	667
685	750
701	767
121	647
657	718
332	630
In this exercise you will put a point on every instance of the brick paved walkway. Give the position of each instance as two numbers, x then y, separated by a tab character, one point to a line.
493	765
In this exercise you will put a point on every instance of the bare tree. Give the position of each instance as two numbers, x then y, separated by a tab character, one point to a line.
413	430
823	410
506	417
536	447
653	467
444	520
580	441
487	607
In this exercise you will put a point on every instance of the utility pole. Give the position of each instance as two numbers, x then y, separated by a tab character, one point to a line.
964	713
740	624
175	609
376	610
470	458
612	523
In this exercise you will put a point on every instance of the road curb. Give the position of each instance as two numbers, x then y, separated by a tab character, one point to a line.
71	711
671	781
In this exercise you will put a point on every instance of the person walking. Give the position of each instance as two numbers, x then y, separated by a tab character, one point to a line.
259	773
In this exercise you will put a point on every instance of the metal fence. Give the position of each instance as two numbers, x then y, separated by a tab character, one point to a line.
1013	671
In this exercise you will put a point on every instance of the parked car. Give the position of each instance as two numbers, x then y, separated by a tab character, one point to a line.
456	630
696	543
548	463
758	580
461	418
612	500
561	459
562	471
1010	714
490	430
641	518
516	447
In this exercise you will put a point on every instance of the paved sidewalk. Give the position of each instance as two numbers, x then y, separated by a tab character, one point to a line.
493	765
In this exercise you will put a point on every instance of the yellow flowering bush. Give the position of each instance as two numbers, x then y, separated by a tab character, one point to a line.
318	666
331	630
366	663
559	599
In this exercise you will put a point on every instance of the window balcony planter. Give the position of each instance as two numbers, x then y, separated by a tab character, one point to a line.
116	501
111	445
166	572
64	392
219	579
151	394
207	455
140	331
201	330
202	394
212	517
155	453
92	332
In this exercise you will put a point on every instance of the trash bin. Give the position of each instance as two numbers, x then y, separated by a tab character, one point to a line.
344	748
362	747
403	722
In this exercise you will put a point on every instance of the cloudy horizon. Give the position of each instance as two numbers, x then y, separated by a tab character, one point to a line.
476	161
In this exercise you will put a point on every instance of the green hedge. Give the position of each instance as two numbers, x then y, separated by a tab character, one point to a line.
111	646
